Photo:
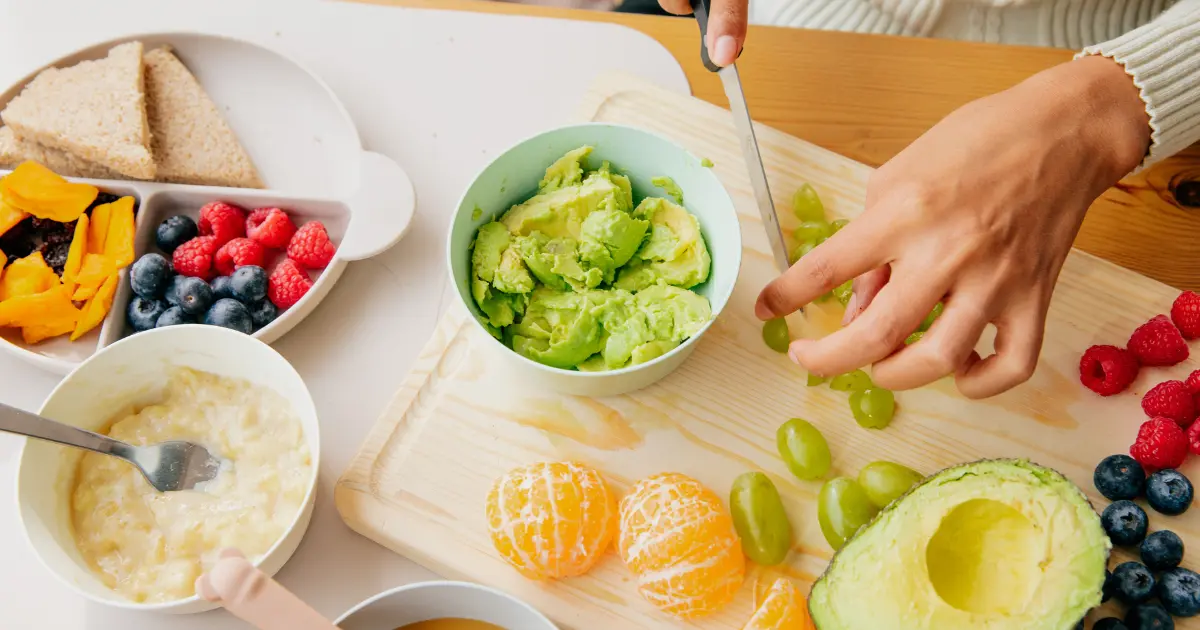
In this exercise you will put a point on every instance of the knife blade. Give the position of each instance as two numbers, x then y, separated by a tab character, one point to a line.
744	127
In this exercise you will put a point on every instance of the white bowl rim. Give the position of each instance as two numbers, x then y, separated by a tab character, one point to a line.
443	584
690	341
314	454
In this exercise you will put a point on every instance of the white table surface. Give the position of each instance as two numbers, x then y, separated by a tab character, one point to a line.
439	92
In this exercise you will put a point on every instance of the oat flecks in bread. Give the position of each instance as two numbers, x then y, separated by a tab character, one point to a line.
192	143
95	110
14	150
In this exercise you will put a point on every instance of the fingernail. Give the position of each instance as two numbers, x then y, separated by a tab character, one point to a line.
792	355
725	52
793	351
851	310
762	312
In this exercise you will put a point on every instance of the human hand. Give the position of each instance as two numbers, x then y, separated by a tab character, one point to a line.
726	27
980	213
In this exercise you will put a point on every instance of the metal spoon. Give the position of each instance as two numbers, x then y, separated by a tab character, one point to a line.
168	466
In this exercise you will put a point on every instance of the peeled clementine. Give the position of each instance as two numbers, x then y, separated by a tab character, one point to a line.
783	609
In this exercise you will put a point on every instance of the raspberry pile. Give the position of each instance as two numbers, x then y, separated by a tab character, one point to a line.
229	268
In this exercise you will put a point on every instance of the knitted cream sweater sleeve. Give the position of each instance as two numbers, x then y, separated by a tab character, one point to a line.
1163	57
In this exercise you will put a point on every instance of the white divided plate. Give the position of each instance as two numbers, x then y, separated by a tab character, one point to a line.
306	149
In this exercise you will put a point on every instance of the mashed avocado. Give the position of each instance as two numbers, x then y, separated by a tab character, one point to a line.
576	277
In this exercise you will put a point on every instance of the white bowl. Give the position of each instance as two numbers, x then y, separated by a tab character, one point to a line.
133	371
513	177
438	600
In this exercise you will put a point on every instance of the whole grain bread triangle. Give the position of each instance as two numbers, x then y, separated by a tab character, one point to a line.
14	150
95	110
192	143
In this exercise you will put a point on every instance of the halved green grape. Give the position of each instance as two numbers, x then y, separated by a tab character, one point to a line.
814	380
843	291
760	519
873	408
931	317
885	482
801	250
803	449
851	382
807	205
842	508
775	334
913	338
838	224
814	232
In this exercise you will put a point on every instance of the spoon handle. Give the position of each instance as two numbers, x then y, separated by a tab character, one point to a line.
13	420
252	596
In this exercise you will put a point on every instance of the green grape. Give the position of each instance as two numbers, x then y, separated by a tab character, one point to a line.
814	380
913	338
803	449
760	519
775	334
807	205
842	292
873	407
838	224
885	482
801	250
842	508
931	317
814	232
851	382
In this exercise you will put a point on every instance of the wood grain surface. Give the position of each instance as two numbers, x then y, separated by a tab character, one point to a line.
458	422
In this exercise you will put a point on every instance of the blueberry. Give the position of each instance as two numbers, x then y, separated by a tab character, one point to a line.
1109	586
263	313
143	314
1110	623
1149	617
249	284
221	288
1132	582
1125	522
1179	592
1162	550
174	316
149	276
230	313
175	231
1169	492
1119	477
193	295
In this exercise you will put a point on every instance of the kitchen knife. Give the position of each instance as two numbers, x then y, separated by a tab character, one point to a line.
744	128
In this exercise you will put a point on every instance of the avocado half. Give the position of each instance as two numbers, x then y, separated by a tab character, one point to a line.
992	545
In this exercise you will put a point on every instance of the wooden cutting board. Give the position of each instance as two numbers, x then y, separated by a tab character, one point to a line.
419	482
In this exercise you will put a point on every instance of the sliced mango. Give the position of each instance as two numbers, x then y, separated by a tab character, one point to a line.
95	269
98	231
35	189
41	332
10	216
27	276
96	308
118	239
75	253
48	308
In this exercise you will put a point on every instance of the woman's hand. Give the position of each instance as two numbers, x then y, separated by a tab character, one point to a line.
980	213
726	27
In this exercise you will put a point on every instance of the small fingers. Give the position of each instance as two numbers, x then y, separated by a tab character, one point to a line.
940	352
1018	343
726	30
676	7
849	253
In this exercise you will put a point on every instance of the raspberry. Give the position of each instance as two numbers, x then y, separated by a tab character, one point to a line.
1193	382
1158	342
287	284
1107	370
1170	399
238	253
1160	444
195	257
270	227
1193	437
223	220
311	246
1185	312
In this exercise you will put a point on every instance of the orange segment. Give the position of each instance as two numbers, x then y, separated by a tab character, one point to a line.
551	520
679	540
783	609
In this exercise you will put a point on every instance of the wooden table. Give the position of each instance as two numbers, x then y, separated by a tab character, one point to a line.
868	96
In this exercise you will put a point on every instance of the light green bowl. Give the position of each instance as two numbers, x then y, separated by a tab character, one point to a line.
513	177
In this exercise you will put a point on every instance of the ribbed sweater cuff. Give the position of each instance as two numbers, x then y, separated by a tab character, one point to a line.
1163	58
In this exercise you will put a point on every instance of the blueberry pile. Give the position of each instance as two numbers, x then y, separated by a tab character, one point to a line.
163	298
1122	479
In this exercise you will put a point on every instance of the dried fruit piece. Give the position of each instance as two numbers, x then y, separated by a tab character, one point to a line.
49	309
10	216
95	269
96	308
40	332
118	239
75	254
98	231
39	191
28	276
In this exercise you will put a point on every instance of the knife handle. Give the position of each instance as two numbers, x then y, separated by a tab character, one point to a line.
700	9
